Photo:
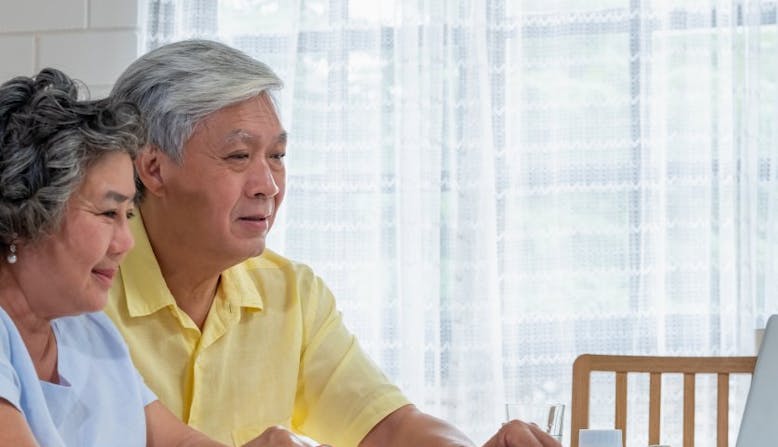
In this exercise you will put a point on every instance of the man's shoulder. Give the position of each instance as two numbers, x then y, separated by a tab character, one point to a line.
271	262
277	275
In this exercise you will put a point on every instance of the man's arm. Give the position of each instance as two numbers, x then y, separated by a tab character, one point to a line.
164	429
409	426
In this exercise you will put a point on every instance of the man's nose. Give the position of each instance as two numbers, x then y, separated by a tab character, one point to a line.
261	181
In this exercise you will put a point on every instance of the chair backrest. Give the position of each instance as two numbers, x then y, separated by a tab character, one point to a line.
621	365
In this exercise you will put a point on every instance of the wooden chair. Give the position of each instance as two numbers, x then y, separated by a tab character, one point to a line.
655	367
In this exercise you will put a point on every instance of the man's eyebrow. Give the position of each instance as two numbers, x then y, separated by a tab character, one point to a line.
243	135
238	134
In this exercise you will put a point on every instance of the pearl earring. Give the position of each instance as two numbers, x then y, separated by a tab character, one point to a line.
11	258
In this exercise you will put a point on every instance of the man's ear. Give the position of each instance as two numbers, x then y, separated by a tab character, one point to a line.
148	165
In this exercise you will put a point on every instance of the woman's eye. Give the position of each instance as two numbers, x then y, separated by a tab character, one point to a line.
113	214
278	156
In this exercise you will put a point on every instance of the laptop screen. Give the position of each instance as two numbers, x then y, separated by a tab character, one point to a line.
759	426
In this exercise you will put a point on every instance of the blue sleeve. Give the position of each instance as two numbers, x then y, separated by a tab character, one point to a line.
10	385
147	396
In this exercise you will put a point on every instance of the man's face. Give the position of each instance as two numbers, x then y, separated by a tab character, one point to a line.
223	196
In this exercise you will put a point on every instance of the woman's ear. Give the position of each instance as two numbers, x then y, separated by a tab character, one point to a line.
148	164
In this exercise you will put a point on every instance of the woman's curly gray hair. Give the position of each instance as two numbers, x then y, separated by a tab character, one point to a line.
48	139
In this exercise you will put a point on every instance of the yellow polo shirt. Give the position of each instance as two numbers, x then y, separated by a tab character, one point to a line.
273	351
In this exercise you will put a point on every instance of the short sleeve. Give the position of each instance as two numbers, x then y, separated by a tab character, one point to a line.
10	386
146	395
344	391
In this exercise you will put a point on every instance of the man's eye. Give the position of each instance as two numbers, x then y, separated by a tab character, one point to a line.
238	156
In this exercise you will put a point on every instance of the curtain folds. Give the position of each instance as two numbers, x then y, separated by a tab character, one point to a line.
493	187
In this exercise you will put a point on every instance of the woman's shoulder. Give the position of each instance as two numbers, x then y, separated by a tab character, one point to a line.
9	335
5	319
94	330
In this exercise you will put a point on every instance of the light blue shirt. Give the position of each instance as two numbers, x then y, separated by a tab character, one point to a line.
101	397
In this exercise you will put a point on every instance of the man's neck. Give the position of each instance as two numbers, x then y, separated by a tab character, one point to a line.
191	281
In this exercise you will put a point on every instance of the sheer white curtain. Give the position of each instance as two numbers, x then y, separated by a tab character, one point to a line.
493	187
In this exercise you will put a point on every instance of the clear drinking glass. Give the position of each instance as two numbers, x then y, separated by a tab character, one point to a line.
555	420
512	411
554	417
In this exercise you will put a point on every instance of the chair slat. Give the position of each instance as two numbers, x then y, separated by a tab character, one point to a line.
688	409
722	411
621	403
654	402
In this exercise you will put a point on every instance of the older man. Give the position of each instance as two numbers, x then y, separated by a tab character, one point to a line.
235	339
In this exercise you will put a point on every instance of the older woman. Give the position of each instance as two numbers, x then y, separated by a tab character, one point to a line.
210	323
66	195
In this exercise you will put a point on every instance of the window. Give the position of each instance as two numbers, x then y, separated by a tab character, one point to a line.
494	187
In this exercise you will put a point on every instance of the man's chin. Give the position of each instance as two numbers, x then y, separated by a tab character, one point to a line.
258	250
245	248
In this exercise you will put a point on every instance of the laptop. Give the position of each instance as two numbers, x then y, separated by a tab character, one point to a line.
759	426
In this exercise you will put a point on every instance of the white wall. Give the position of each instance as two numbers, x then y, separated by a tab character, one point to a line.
91	40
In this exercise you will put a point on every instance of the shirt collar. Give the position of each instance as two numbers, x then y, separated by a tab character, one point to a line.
239	287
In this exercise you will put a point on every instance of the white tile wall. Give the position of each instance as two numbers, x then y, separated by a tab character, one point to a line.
91	40
35	15
17	54
113	13
95	57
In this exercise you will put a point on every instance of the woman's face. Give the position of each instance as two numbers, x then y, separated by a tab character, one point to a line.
70	271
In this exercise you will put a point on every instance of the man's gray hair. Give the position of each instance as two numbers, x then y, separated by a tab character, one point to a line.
48	140
177	85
